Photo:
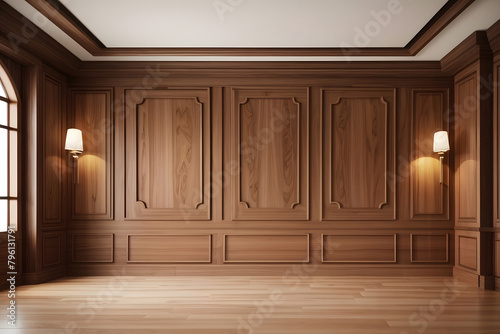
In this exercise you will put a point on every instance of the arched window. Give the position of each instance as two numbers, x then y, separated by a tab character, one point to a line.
8	152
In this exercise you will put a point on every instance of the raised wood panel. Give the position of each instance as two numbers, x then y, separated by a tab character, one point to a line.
467	252
51	249
169	248
93	247
270	149
358	248
168	154
93	193
53	147
429	248
266	248
466	153
358	154
429	200
496	146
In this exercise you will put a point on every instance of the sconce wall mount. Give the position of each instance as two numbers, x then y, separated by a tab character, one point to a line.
74	144
441	146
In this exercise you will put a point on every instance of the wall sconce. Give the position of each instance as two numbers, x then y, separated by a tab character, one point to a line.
441	145
74	144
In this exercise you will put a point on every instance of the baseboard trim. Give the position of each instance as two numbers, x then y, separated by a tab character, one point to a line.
467	277
260	270
43	276
487	282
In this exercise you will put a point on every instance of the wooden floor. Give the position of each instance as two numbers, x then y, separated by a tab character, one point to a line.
268	305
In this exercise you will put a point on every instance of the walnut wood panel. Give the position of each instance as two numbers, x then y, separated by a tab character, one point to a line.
52	150
169	248
429	200
266	248
271	152
93	193
168	154
358	248
496	145
358	154
51	249
429	248
466	153
467	252
93	247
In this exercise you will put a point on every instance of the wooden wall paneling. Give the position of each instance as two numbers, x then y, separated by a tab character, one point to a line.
358	154
218	181
53	147
429	200
496	144
159	248
497	255
339	248
168	160
270	147
92	195
429	248
262	248
466	153
467	254
52	246
92	247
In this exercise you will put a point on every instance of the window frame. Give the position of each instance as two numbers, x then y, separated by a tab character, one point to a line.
12	128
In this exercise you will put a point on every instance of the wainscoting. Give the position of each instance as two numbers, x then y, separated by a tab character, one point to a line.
254	175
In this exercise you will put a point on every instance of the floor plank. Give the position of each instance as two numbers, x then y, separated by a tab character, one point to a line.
270	305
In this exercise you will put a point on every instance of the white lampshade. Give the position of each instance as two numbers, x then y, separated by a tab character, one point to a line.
74	141
441	143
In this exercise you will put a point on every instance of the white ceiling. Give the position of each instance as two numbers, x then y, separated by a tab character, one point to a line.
252	23
262	23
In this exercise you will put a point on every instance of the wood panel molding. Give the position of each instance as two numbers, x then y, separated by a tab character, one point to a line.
168	145
265	248
429	200
370	248
467	254
473	48
494	37
497	255
466	153
270	149
169	248
92	247
21	43
67	22
53	147
429	248
496	145
92	195
358	127
51	249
